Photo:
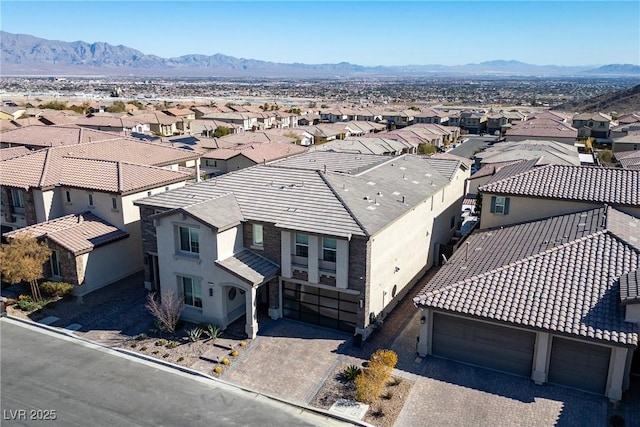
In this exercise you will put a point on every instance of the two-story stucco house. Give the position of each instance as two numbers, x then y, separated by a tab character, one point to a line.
594	125
83	208
327	238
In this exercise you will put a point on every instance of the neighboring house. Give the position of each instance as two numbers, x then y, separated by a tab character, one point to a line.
595	125
110	124
501	121
416	135
300	135
473	122
626	159
10	153
248	121
381	146
555	190
40	187
327	238
555	300
220	161
12	113
397	119
207	128
496	172
161	124
431	117
630	142
549	152
35	137
545	126
86	251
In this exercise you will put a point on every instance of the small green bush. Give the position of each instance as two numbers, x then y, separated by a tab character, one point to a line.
165	355
26	303
195	334
57	289
172	344
217	369
180	359
351	372
161	342
225	361
141	337
143	348
134	345
155	351
213	332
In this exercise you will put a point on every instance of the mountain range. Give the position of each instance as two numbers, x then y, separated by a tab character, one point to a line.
26	55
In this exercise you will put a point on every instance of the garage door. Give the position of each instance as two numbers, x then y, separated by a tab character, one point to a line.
320	306
483	344
579	365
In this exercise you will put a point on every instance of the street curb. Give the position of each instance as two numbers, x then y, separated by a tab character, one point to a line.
304	408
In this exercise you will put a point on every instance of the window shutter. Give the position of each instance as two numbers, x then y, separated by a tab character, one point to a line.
506	205
493	204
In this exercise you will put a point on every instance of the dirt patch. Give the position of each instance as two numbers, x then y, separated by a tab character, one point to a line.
383	412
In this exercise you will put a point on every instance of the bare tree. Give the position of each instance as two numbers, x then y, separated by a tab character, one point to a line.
166	310
22	260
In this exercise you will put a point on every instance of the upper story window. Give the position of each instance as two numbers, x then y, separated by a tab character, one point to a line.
114	203
17	195
91	200
500	205
189	241
329	249
302	245
68	196
258	239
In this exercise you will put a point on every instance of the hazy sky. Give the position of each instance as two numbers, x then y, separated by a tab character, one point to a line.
360	32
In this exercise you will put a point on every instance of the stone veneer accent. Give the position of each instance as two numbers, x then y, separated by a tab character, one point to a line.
149	239
359	261
271	238
7	204
71	268
274	294
29	208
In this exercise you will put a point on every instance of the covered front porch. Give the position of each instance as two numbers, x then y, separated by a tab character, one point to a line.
244	287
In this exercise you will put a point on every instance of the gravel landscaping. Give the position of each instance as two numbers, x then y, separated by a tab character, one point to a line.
383	412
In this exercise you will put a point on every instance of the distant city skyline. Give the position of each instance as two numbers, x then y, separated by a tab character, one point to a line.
366	33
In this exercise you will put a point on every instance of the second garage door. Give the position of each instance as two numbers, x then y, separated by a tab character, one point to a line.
579	365
483	344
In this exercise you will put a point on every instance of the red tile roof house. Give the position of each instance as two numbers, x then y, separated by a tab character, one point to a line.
223	160
556	300
102	178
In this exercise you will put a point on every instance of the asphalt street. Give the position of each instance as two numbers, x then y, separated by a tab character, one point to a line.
474	144
47	379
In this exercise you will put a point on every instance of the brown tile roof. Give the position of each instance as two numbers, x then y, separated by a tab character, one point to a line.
78	233
582	183
258	153
558	275
50	167
10	153
54	136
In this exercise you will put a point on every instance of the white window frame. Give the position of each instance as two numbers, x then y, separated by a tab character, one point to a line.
193	298
258	231
193	246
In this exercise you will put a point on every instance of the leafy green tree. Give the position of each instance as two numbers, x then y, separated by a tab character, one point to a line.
221	131
116	107
22	260
426	149
54	105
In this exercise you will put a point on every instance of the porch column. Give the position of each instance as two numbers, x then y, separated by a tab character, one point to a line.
314	255
617	373
198	170
541	358
251	328
426	332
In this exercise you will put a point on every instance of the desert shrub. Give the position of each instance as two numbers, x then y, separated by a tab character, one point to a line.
172	344
225	361
143	348
166	310
180	359
57	289
395	381
368	386
165	355
388	395
161	342
195	334
234	352
351	372
141	337
134	345
217	369
26	303
213	331
386	357
378	412
243	344
155	351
